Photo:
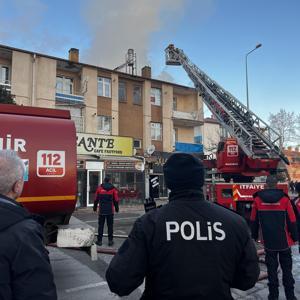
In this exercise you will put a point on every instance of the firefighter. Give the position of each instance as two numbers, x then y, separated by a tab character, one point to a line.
273	212
25	270
107	196
189	248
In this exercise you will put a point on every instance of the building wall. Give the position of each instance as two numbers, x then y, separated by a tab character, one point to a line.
187	103
44	82
5	62
186	134
146	114
211	137
167	92
21	77
34	83
115	104
130	115
294	167
90	98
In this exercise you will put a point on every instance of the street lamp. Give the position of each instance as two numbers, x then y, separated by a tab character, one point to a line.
256	47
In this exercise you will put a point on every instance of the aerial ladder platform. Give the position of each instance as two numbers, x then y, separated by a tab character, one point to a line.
255	137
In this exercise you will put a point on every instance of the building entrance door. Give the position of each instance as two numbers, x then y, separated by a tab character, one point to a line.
94	178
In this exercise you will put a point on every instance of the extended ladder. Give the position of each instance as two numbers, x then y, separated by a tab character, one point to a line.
256	138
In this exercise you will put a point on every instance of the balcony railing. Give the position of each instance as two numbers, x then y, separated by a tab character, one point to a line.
69	98
6	85
188	147
193	116
187	118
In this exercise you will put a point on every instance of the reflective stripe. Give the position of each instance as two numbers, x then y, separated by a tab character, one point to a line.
46	198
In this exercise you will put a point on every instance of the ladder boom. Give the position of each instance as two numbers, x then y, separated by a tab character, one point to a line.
255	137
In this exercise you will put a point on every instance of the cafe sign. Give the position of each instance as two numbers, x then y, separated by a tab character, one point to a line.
95	144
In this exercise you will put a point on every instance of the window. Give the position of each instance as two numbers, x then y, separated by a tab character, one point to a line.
4	74
137	94
175	135
137	144
104	87
175	103
104	125
156	131
64	85
122	91
156	96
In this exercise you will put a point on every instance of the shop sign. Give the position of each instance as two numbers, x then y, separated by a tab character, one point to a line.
124	166
95	144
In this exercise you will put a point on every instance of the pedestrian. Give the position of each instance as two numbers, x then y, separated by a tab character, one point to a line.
25	271
273	213
107	197
189	248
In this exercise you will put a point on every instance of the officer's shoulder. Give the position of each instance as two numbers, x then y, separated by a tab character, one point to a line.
227	214
153	213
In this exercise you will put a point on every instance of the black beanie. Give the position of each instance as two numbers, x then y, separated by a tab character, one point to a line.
183	171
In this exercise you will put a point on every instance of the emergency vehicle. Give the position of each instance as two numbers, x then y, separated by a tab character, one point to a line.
251	151
45	139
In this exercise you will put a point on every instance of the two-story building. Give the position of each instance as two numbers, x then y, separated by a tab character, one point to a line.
153	116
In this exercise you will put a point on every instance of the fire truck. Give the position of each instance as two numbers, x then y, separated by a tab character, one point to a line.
45	139
251	151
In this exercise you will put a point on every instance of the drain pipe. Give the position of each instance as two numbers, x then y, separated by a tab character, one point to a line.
33	95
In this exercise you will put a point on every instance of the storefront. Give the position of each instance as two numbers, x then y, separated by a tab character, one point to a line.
99	156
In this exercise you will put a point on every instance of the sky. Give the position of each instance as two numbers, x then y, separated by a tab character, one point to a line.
215	34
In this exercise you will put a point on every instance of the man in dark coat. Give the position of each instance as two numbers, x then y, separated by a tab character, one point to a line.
273	212
187	249
25	271
108	199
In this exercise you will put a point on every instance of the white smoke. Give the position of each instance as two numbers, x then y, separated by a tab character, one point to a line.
165	76
117	25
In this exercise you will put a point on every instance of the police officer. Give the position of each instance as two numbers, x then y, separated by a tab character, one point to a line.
273	212
187	249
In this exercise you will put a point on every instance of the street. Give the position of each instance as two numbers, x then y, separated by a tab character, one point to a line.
77	277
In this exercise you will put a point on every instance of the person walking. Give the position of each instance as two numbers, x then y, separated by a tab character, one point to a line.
107	197
188	249
273	213
25	271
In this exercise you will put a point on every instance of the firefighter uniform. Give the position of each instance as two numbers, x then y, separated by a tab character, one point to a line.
107	196
187	249
273	212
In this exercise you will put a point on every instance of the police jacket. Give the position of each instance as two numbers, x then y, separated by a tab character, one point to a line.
25	271
107	196
273	212
188	249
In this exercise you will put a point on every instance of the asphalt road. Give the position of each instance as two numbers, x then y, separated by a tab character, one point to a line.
76	276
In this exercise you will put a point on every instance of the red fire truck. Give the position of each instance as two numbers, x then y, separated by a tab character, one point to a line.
46	141
251	150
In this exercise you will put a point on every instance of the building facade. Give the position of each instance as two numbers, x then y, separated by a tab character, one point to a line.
153	116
